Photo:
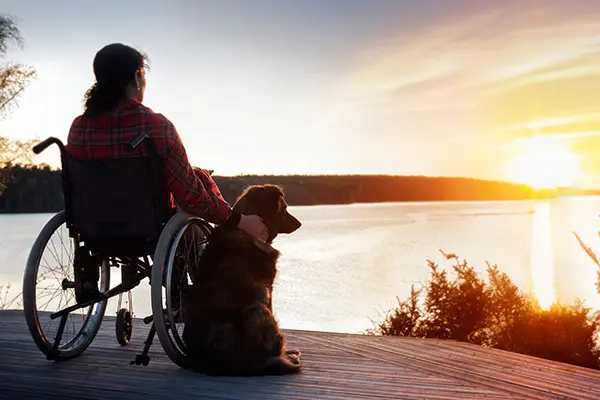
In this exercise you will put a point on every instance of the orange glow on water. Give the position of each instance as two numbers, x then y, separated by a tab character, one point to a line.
542	259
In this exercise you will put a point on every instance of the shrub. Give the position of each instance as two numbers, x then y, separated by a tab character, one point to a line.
495	314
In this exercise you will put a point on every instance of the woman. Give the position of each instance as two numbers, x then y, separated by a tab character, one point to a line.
114	115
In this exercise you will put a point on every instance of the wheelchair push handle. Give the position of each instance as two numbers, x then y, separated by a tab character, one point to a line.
43	145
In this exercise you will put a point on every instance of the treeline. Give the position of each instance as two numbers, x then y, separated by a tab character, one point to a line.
496	314
38	189
31	189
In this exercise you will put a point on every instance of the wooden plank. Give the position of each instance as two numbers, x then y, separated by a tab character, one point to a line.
335	366
527	380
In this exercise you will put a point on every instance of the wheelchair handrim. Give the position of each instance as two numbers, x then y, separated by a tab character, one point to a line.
164	256
95	313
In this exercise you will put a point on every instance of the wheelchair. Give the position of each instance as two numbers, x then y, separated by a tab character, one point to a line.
118	215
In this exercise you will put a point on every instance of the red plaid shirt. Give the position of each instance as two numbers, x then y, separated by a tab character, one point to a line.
107	136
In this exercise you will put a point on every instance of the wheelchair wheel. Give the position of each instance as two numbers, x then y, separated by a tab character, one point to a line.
50	262
181	244
124	326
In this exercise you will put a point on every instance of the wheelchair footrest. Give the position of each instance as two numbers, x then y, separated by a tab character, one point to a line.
144	359
141	359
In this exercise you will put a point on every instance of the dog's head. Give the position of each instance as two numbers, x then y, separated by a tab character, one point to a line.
267	201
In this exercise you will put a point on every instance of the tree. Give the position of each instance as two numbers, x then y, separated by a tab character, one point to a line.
15	151
593	256
14	78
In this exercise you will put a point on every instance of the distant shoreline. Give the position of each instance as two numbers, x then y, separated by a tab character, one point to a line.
400	202
38	190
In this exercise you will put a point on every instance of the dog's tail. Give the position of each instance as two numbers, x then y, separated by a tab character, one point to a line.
280	366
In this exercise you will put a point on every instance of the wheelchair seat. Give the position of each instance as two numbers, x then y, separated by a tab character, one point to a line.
118	206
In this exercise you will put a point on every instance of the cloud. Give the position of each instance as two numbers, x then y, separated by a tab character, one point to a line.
555	122
547	138
467	61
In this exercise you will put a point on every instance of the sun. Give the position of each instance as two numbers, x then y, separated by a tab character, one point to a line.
545	164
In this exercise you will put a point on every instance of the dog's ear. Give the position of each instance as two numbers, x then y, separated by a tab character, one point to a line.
241	205
274	199
277	203
255	200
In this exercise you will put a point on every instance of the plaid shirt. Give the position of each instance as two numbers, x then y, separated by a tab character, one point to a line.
107	136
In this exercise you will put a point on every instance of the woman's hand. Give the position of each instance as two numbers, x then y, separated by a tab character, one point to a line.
254	226
207	181
202	171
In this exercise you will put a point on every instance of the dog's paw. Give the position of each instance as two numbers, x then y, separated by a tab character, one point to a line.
293	351
293	358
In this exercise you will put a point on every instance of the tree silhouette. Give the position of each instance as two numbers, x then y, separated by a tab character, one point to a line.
14	78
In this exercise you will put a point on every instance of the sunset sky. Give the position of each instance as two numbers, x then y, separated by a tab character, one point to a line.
449	87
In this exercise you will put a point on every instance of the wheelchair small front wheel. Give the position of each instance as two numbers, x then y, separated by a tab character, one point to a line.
124	326
48	288
180	246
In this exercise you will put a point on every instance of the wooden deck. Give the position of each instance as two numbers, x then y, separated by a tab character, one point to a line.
336	366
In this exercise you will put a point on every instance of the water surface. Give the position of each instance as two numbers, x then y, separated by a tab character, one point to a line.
348	263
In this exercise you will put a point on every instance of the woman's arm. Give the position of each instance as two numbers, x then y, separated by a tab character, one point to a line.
197	193
190	191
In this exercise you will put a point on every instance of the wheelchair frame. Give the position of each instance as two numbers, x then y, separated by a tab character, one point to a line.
162	319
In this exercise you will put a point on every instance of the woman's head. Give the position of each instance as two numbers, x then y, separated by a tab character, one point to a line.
120	74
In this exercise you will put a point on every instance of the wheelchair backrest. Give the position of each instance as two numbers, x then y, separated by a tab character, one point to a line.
118	206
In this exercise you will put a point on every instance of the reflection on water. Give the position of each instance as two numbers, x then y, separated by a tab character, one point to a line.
542	258
347	264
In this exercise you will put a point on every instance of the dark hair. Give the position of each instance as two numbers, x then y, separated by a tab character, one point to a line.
115	66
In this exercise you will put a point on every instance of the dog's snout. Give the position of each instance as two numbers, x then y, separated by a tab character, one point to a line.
289	224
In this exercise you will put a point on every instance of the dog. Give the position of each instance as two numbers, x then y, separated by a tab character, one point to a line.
229	324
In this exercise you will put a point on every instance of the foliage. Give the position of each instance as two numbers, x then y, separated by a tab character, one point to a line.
405	320
32	189
14	78
5	302
13	152
9	33
494	314
594	258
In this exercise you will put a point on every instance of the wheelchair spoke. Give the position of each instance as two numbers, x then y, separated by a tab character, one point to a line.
62	244
51	262
55	254
180	247
56	292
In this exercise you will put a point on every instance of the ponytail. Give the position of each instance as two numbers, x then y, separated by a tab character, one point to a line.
102	98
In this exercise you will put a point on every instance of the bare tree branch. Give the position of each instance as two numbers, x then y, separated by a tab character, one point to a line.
14	78
9	32
13	152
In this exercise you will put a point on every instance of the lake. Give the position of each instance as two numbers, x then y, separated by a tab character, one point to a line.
348	263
